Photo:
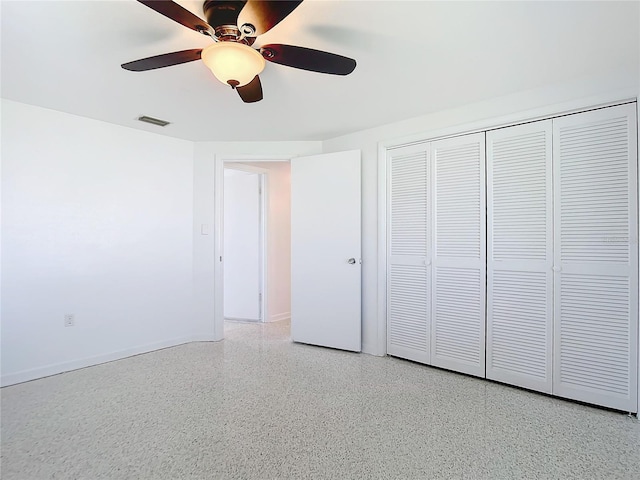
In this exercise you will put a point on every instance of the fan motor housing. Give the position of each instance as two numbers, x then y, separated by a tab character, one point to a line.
219	13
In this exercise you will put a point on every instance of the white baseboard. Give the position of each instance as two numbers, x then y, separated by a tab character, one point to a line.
279	316
54	369
372	349
205	337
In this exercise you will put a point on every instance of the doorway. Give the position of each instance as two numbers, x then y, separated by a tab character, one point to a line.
245	287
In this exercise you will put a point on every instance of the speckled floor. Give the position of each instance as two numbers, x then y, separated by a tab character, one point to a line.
257	406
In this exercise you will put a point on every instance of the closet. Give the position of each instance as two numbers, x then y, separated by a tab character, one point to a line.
512	254
436	262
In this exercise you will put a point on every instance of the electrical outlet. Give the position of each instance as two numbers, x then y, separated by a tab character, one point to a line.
69	320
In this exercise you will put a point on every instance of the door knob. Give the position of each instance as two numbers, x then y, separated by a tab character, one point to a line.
351	261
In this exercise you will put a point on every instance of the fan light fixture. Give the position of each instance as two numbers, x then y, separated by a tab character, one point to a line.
234	26
232	63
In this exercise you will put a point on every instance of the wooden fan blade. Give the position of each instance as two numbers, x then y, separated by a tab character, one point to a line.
179	14
264	15
164	60
252	91
308	59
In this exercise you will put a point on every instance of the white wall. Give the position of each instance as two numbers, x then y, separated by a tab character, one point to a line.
278	239
105	240
204	242
96	221
516	107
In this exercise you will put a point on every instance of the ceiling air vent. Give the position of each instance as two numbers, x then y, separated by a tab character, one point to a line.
153	121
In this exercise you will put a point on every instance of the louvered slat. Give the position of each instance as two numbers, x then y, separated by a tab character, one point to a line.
594	189
459	275
596	288
458	183
520	193
407	305
408	204
596	352
520	324
520	242
407	270
457	309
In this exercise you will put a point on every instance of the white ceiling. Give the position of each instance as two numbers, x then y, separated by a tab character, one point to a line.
413	57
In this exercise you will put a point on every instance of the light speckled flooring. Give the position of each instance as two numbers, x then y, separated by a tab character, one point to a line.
257	406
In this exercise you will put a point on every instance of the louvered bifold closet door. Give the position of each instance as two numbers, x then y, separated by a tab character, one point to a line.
459	254
408	267
520	255
596	257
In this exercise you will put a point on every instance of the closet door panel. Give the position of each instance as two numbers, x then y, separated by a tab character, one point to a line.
408	282
458	308
459	254
520	255
596	284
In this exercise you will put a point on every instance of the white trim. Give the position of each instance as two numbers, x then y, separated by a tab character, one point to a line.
381	346
638	235
57	368
542	113
245	320
218	271
233	165
638	238
264	218
533	115
277	317
228	157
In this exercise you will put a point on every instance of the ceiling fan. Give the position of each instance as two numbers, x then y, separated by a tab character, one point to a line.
234	26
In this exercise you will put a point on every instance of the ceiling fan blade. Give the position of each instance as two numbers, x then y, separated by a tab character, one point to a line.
252	91
308	59
264	15
179	14
165	60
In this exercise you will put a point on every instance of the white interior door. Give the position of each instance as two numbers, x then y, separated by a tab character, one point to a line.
325	250
242	245
596	262
459	254
520	255
409	255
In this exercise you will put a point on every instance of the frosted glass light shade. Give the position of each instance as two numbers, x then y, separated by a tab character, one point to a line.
230	61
